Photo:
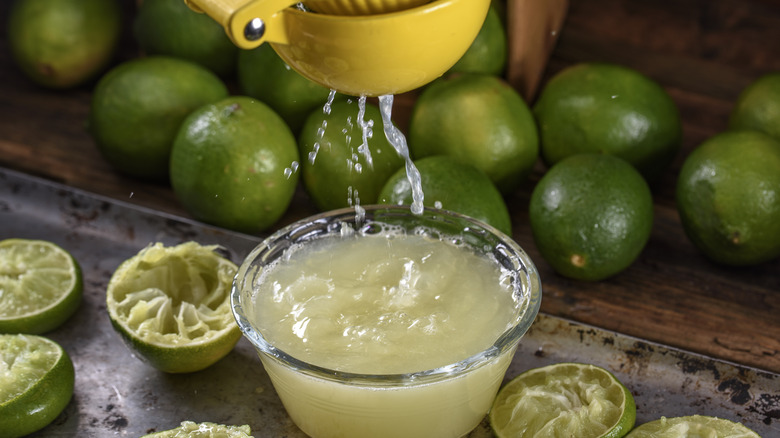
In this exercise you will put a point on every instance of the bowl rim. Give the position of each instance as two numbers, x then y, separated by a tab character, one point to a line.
529	281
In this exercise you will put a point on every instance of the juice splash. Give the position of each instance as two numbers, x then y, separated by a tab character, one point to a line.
394	136
321	131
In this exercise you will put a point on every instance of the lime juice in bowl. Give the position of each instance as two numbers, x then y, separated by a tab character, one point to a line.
388	323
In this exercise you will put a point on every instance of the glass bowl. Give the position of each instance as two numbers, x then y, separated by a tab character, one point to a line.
443	401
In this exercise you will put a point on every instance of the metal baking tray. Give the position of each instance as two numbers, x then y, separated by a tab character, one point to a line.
116	394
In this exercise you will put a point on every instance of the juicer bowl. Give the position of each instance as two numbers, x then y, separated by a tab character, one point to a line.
374	55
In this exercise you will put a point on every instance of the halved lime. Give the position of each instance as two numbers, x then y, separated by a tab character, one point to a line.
40	286
172	306
563	400
693	426
36	383
190	429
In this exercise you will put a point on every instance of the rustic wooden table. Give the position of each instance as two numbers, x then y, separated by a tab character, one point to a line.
704	52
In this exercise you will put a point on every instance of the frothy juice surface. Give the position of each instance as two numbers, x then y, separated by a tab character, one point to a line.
384	304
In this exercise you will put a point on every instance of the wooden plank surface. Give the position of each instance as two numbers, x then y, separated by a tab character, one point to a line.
703	52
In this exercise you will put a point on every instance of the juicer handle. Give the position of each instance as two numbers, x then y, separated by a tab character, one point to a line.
248	23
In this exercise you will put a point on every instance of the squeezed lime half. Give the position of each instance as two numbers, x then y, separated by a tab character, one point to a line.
563	400
172	306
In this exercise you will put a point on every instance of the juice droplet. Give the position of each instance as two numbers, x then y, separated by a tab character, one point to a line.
397	139
321	131
329	103
353	197
288	171
366	126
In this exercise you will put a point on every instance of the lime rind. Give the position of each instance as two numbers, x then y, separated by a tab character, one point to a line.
692	426
42	286
36	383
567	399
190	429
171	305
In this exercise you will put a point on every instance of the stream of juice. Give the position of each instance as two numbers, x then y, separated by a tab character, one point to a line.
394	136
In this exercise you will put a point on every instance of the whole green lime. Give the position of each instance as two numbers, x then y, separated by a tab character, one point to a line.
262	74
758	106
728	197
170	27
232	164
488	52
336	168
610	109
591	216
63	43
138	107
478	119
451	185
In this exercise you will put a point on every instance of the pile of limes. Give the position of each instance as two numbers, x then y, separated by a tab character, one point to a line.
728	191
234	160
234	132
590	223
607	134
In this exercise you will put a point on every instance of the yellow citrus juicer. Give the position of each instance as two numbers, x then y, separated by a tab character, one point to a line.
356	47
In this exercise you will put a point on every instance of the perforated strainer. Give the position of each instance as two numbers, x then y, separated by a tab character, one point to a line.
361	7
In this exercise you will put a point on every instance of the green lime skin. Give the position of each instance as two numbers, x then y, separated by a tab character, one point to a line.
340	175
488	53
229	164
138	107
452	185
61	44
758	107
170	27
262	74
43	401
610	109
478	119
728	197
591	215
